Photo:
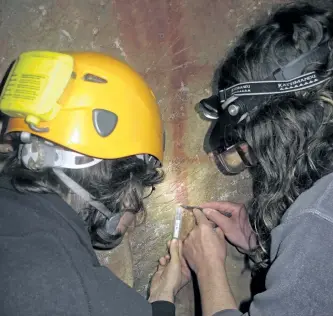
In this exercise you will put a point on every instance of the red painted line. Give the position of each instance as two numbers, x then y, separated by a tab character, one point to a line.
178	79
158	28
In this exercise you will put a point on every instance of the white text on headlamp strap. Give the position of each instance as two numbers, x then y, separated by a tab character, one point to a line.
273	87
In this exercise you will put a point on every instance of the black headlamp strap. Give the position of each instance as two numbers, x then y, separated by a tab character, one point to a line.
257	88
283	79
299	65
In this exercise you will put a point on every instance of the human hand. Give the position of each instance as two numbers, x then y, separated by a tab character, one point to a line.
237	228
172	274
205	247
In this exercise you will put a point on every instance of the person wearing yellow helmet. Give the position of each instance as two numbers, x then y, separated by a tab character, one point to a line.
84	118
86	127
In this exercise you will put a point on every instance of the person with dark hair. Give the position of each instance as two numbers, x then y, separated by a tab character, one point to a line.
84	147
272	112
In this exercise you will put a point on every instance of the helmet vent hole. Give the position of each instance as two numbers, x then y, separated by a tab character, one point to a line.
94	78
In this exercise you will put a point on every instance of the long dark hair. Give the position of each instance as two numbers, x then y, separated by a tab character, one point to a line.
292	135
115	183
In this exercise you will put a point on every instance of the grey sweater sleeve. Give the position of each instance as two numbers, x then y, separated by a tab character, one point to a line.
299	282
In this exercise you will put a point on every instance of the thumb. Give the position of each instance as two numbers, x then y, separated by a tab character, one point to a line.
174	250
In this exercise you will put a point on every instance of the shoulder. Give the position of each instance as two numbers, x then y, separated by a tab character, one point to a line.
24	213
301	251
317	200
307	222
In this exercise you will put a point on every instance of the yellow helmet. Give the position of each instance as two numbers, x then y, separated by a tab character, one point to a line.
89	103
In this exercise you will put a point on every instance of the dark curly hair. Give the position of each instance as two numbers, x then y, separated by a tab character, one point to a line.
116	183
292	134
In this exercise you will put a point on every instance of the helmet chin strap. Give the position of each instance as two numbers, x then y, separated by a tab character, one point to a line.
84	194
37	154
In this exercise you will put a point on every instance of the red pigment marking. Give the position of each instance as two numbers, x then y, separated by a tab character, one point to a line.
177	78
128	21
157	27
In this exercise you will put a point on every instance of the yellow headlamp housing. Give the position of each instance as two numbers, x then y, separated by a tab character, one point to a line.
35	84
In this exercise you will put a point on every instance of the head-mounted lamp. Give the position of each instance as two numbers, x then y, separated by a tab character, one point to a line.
236	105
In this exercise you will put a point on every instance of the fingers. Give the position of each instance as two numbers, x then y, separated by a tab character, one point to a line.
200	217
222	206
161	267
219	233
211	223
162	261
174	250
216	217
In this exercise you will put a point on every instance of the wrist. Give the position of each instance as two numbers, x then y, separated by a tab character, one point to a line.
166	295
211	264
210	267
215	290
